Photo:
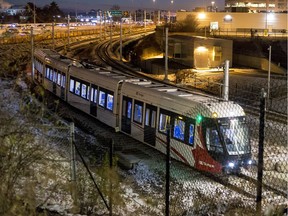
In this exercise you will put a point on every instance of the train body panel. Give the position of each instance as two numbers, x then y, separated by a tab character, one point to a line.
200	125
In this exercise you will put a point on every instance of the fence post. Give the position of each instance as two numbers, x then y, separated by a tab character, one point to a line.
260	151
72	153
168	161
110	177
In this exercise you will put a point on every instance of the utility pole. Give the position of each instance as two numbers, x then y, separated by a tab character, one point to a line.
226	81
166	55
269	75
32	53
68	32
121	39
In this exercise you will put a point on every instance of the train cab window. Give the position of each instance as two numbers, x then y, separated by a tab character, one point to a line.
77	87
191	134
164	121
83	90
129	109
138	112
213	141
102	96
72	85
109	101
59	79
179	129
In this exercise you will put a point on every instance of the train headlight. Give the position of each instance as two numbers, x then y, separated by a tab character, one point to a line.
231	164
214	115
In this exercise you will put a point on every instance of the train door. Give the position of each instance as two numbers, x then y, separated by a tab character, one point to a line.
93	100
126	115
54	88
150	124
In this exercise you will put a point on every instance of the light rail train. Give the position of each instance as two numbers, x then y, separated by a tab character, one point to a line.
205	132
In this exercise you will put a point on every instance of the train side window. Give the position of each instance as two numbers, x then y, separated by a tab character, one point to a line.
72	85
59	79
95	95
164	121
191	134
47	73
63	81
88	93
51	75
77	87
83	90
92	95
138	112
55	77
179	129
102	97
129	109
110	99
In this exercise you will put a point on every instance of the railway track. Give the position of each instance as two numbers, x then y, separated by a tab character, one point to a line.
102	53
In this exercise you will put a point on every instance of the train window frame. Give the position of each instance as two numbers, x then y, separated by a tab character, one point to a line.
138	106
166	123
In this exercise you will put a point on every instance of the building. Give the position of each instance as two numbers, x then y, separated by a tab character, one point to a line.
256	5
227	21
200	52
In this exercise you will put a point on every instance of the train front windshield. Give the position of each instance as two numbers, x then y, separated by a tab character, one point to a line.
231	134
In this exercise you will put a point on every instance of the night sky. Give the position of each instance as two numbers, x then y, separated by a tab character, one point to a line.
86	5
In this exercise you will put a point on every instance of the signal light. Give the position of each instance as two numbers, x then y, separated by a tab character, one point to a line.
199	118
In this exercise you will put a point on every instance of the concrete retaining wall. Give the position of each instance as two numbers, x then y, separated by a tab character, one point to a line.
257	62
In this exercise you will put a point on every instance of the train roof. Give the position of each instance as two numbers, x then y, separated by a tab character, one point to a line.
172	97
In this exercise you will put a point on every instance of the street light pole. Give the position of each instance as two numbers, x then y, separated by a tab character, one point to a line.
166	55
269	74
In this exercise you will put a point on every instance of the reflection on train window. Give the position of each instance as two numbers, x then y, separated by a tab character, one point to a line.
55	77
138	112
147	117
179	129
83	90
102	96
109	102
213	141
150	117
77	88
47	74
191	134
72	83
129	109
88	92
63	81
164	121
51	74
59	79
